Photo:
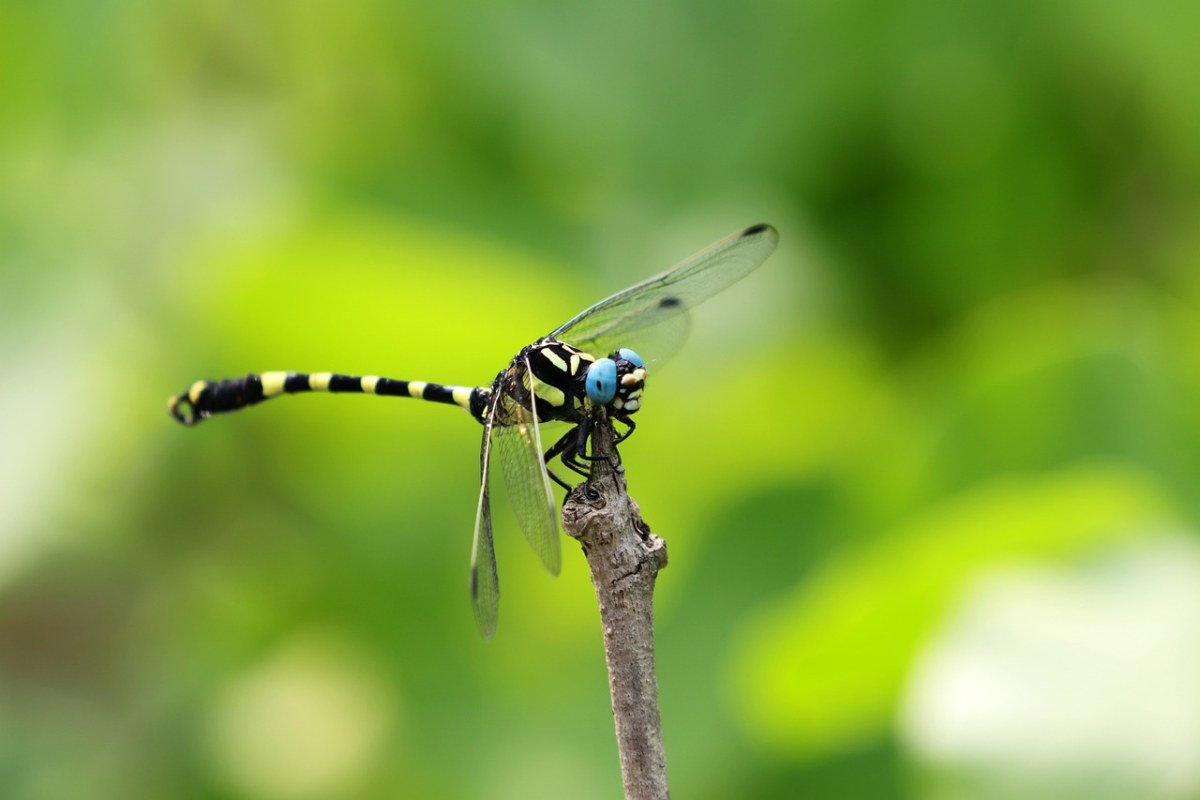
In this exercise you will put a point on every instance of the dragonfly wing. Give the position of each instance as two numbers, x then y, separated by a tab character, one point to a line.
656	337
519	446
485	583
653	313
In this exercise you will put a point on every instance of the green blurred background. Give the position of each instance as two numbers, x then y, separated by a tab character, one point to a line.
928	478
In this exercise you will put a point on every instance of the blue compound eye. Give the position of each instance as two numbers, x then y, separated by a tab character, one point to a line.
601	381
631	357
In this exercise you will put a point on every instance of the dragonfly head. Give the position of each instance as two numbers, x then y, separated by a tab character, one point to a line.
617	381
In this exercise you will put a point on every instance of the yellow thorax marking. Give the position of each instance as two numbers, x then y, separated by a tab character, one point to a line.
554	358
551	394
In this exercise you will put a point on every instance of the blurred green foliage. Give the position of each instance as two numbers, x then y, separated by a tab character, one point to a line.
976	346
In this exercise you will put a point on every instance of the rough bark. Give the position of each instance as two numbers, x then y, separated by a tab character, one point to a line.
624	558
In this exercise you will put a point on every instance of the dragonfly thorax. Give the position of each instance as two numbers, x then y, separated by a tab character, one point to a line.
549	376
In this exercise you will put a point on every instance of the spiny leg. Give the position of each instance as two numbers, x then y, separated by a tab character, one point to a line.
572	446
577	448
581	446
565	446
623	436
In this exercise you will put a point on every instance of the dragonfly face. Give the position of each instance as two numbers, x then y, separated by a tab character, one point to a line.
616	382
557	379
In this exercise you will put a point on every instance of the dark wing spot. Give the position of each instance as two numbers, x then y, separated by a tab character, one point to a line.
755	229
669	302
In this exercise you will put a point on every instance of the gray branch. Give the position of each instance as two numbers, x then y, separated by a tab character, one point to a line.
624	558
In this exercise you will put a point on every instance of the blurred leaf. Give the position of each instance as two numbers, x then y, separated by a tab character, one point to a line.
822	670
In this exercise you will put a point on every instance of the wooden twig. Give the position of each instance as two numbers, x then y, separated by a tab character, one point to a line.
624	558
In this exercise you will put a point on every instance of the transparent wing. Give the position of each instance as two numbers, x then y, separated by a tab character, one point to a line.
519	446
651	317
485	583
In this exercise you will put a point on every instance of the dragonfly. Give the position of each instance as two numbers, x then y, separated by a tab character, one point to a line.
586	370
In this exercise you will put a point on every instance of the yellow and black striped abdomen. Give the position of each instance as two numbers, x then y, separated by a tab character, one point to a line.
205	398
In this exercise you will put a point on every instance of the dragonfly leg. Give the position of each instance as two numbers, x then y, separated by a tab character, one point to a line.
558	480
617	439
574	447
569	458
566	446
614	464
623	436
580	449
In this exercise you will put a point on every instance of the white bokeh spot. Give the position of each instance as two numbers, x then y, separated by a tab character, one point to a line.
1063	681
